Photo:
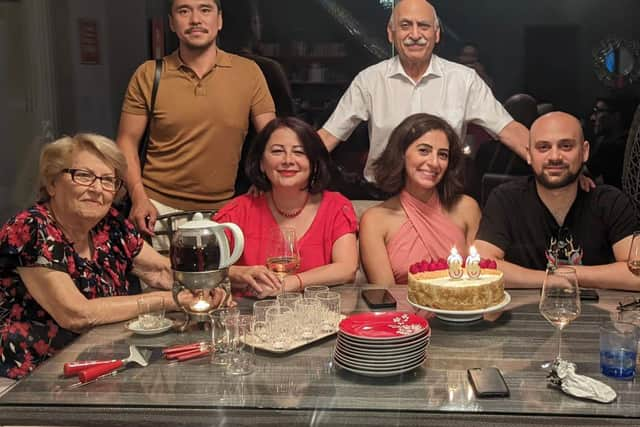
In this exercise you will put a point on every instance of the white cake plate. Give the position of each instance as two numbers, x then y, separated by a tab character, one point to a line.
463	315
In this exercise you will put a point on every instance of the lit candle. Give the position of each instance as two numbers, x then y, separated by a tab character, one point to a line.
200	306
454	262
473	263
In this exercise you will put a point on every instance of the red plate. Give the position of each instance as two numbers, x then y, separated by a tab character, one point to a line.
383	325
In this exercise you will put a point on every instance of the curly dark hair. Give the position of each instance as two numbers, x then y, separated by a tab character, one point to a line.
389	169
314	148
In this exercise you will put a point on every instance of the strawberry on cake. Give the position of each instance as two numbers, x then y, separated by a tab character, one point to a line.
431	286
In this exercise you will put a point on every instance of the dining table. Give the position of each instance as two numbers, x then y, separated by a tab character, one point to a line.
305	387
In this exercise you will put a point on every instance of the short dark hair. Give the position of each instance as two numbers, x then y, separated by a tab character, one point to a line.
217	2
314	149
389	169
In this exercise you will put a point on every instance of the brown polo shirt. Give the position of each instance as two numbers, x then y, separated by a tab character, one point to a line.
198	127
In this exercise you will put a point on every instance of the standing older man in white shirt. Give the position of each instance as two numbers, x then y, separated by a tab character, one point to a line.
415	81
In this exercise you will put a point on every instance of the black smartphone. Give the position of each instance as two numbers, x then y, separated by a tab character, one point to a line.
379	298
488	382
589	295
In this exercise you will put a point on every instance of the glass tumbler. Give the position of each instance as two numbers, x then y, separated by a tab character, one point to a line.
618	349
280	322
241	358
289	299
312	291
220	337
260	317
329	310
307	313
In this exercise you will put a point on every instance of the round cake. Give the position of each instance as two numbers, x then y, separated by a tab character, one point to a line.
434	288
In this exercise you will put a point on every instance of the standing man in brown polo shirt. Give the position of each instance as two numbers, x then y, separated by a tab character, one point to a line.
201	116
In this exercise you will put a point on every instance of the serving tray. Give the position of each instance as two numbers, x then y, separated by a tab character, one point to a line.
260	344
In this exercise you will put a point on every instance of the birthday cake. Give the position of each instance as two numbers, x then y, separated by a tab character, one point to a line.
430	285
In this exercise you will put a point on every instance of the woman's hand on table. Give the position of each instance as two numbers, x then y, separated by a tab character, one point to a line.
261	280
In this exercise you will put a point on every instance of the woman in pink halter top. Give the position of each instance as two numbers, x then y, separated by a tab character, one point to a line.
428	214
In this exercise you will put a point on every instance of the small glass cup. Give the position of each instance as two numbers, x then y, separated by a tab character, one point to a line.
618	349
260	331
288	299
220	337
329	310
241	358
307	314
150	311
312	291
633	317
280	321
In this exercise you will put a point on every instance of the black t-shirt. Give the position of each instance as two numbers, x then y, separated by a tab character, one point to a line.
516	220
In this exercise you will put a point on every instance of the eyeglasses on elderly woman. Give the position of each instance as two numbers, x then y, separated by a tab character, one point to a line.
87	178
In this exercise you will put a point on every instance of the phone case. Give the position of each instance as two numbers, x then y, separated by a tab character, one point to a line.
367	296
589	295
488	382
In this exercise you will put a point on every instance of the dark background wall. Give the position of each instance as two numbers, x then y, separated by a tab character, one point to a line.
518	60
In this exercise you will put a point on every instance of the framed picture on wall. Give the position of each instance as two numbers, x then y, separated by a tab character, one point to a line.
88	41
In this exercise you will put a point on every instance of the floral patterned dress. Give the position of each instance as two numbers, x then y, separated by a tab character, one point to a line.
28	334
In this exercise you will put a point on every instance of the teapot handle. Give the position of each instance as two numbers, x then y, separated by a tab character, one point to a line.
238	243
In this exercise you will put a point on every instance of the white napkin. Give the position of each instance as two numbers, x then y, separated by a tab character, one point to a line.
563	375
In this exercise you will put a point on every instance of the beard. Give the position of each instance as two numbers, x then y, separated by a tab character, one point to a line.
568	179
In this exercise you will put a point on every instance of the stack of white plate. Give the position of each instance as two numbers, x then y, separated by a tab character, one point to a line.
381	344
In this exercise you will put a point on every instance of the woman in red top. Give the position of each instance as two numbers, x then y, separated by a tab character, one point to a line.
289	163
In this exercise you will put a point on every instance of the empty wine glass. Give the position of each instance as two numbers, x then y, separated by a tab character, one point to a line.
634	254
560	299
282	253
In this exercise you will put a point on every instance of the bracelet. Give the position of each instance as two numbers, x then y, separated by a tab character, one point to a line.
301	287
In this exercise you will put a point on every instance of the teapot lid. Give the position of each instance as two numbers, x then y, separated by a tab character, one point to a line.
197	222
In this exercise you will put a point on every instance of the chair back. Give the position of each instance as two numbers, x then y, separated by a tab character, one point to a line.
491	181
631	168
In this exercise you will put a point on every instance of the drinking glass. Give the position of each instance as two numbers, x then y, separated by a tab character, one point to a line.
329	310
282	252
560	299
307	313
634	254
279	324
260	317
220	336
289	299
241	356
312	291
618	347
150	311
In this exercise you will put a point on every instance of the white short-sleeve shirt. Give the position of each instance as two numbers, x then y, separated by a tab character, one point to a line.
384	95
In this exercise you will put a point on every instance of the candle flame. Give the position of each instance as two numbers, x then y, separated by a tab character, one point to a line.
473	251
454	251
201	305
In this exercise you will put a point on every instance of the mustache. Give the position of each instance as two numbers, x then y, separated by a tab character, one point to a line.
555	163
192	29
411	42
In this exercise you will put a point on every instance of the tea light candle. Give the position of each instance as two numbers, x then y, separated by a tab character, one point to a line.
473	263
454	262
200	306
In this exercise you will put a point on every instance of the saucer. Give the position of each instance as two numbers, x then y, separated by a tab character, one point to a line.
134	326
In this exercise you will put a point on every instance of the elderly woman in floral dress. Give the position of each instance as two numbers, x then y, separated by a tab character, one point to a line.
64	262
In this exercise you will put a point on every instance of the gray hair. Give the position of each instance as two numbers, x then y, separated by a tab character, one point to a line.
58	155
436	20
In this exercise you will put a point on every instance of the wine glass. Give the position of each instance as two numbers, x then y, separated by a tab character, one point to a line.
634	254
560	299
282	253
